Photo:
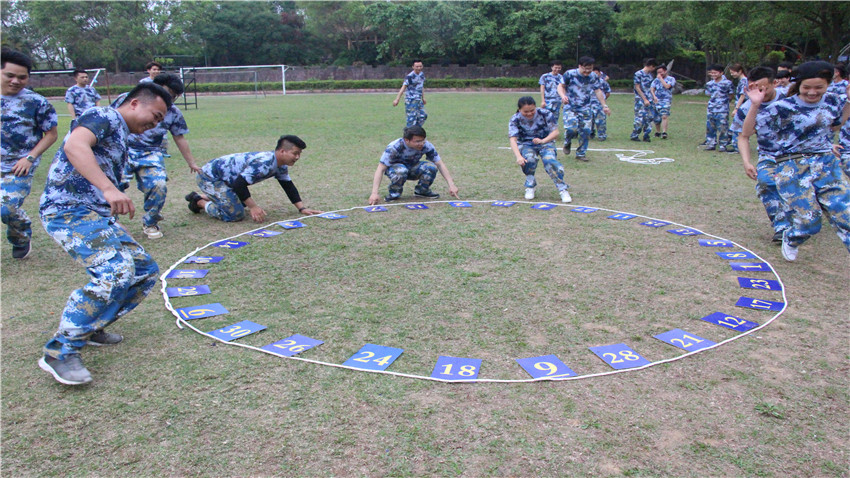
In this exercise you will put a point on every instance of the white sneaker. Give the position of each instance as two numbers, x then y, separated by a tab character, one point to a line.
789	252
529	193
152	232
565	196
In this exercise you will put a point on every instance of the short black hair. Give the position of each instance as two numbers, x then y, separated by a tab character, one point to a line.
79	72
786	64
172	81
15	57
152	64
661	67
291	139
841	68
760	72
417	60
148	91
555	62
783	74
650	62
715	67
412	131
586	60
736	67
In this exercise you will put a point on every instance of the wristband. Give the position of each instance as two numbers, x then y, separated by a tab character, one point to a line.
301	209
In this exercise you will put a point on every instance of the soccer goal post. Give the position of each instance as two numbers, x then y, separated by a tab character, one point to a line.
259	73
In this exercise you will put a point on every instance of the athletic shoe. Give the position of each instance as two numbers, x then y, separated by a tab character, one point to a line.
731	149
426	194
657	135
664	135
193	199
704	143
601	139
777	237
646	139
21	252
390	197
102	337
582	158
710	147
529	193
789	252
635	138
568	146
69	371
565	196
153	232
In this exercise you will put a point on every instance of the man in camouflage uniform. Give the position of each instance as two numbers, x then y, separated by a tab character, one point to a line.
578	87
719	90
414	95
644	108
549	97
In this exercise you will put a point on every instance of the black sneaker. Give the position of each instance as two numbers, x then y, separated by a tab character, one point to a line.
426	194
777	237
635	138
568	146
69	371
663	135
102	337
657	135
21	252
646	139
731	149
193	199
582	158
390	197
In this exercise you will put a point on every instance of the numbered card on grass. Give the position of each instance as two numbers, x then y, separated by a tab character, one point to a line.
332	215
715	243
684	340
264	233
375	209
292	345
684	231
503	203
203	260
622	216
619	356
544	206
655	223
736	255
230	244
291	224
456	368
237	330
416	206
187	273
373	357
584	210
201	311
750	266
459	204
761	284
758	304
730	322
548	366
187	291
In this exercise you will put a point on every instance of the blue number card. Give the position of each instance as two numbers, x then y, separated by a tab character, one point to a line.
203	259
730	322
622	216
736	255
373	357
375	209
684	340
264	233
684	231
544	206
187	273
619	356
460	204
545	366
715	243
201	311
332	215
584	210
416	206
237	330
762	284
758	304
292	345
230	244
187	291
455	368
750	266
655	223
291	224
503	203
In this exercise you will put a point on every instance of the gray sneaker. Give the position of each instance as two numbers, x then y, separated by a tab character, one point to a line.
102	337
69	371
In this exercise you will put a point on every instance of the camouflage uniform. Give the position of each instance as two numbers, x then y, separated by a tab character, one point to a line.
717	112
741	89
577	113
550	84
643	113
844	141
414	107
599	119
77	216
25	118
81	98
404	164
543	123
665	98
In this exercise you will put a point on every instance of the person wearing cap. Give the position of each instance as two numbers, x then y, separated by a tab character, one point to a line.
808	175
224	181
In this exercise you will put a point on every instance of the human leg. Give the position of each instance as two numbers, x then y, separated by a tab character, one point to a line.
553	167
637	124
530	154
222	202
833	194
572	126
584	121
152	182
794	182
774	206
397	173
425	172
18	224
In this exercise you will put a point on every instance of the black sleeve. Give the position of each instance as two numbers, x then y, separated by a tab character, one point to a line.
290	190
240	187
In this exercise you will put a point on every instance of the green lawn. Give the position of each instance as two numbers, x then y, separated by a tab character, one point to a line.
485	282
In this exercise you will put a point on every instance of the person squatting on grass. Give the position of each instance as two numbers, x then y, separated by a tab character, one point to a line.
224	181
737	72
28	130
79	209
719	90
81	96
147	153
402	162
808	176
413	88
599	120
532	133
577	87
549	96
762	77
643	101
661	90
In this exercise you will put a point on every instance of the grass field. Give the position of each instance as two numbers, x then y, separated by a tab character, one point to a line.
484	282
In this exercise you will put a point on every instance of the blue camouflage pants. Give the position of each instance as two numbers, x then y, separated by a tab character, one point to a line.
554	105
661	110
122	274
643	119
151	178
424	171
224	204
599	121
717	129
549	155
845	163
577	124
415	111
778	213
809	185
18	224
